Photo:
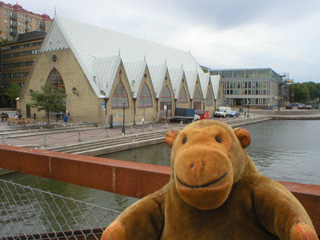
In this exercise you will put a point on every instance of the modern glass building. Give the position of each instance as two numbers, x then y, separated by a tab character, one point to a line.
253	86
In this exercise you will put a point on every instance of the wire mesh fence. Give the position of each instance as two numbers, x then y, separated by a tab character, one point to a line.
29	213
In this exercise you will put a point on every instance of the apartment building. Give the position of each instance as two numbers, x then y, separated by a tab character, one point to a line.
17	58
16	20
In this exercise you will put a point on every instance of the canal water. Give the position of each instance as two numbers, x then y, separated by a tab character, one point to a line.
282	150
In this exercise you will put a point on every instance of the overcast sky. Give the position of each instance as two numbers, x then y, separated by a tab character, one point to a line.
281	34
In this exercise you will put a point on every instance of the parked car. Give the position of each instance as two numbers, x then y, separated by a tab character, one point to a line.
233	113
288	106
309	107
300	106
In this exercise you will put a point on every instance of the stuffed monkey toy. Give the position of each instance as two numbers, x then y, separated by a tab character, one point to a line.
215	192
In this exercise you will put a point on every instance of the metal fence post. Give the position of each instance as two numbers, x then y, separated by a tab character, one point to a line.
107	134
45	141
79	137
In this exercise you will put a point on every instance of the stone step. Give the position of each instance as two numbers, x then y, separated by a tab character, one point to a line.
110	142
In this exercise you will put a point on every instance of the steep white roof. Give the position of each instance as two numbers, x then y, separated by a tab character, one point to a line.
135	72
158	73
176	78
204	82
106	71
89	42
215	79
191	80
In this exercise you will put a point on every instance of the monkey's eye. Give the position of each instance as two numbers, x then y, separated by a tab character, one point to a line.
218	139
184	140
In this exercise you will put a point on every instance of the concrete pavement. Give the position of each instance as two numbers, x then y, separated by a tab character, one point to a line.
61	135
72	133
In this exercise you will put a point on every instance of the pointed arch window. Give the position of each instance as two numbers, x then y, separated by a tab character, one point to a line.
197	96
197	100
145	98
120	96
55	79
209	98
165	98
183	95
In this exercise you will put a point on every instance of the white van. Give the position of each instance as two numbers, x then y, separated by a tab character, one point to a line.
222	112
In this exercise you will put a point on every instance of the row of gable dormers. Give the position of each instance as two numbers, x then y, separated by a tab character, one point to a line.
189	81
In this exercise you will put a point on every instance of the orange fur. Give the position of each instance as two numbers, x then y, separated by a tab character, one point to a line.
215	192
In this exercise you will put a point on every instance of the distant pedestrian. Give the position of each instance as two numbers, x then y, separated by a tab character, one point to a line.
15	116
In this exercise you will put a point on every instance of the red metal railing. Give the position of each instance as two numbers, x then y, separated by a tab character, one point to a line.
122	177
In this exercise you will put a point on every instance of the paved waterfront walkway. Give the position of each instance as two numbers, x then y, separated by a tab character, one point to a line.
61	135
70	134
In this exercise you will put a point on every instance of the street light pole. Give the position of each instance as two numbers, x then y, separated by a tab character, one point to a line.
248	107
124	112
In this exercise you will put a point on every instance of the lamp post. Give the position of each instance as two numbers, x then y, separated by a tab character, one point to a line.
124	112
248	107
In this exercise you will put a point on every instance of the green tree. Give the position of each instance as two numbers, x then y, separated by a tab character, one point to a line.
301	93
13	92
314	90
49	99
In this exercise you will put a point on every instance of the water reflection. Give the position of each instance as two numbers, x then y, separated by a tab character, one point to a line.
281	150
287	150
158	154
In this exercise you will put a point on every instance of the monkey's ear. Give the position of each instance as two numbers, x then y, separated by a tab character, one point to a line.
243	136
171	136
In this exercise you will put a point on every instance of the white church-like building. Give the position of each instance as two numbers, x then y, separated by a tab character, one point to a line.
103	71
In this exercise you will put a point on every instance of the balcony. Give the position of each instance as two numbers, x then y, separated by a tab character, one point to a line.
13	33
28	21
14	24
43	25
13	16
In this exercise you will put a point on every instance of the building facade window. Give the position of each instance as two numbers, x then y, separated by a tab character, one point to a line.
165	98
197	100
183	96
119	96
6	20
209	98
55	79
145	98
